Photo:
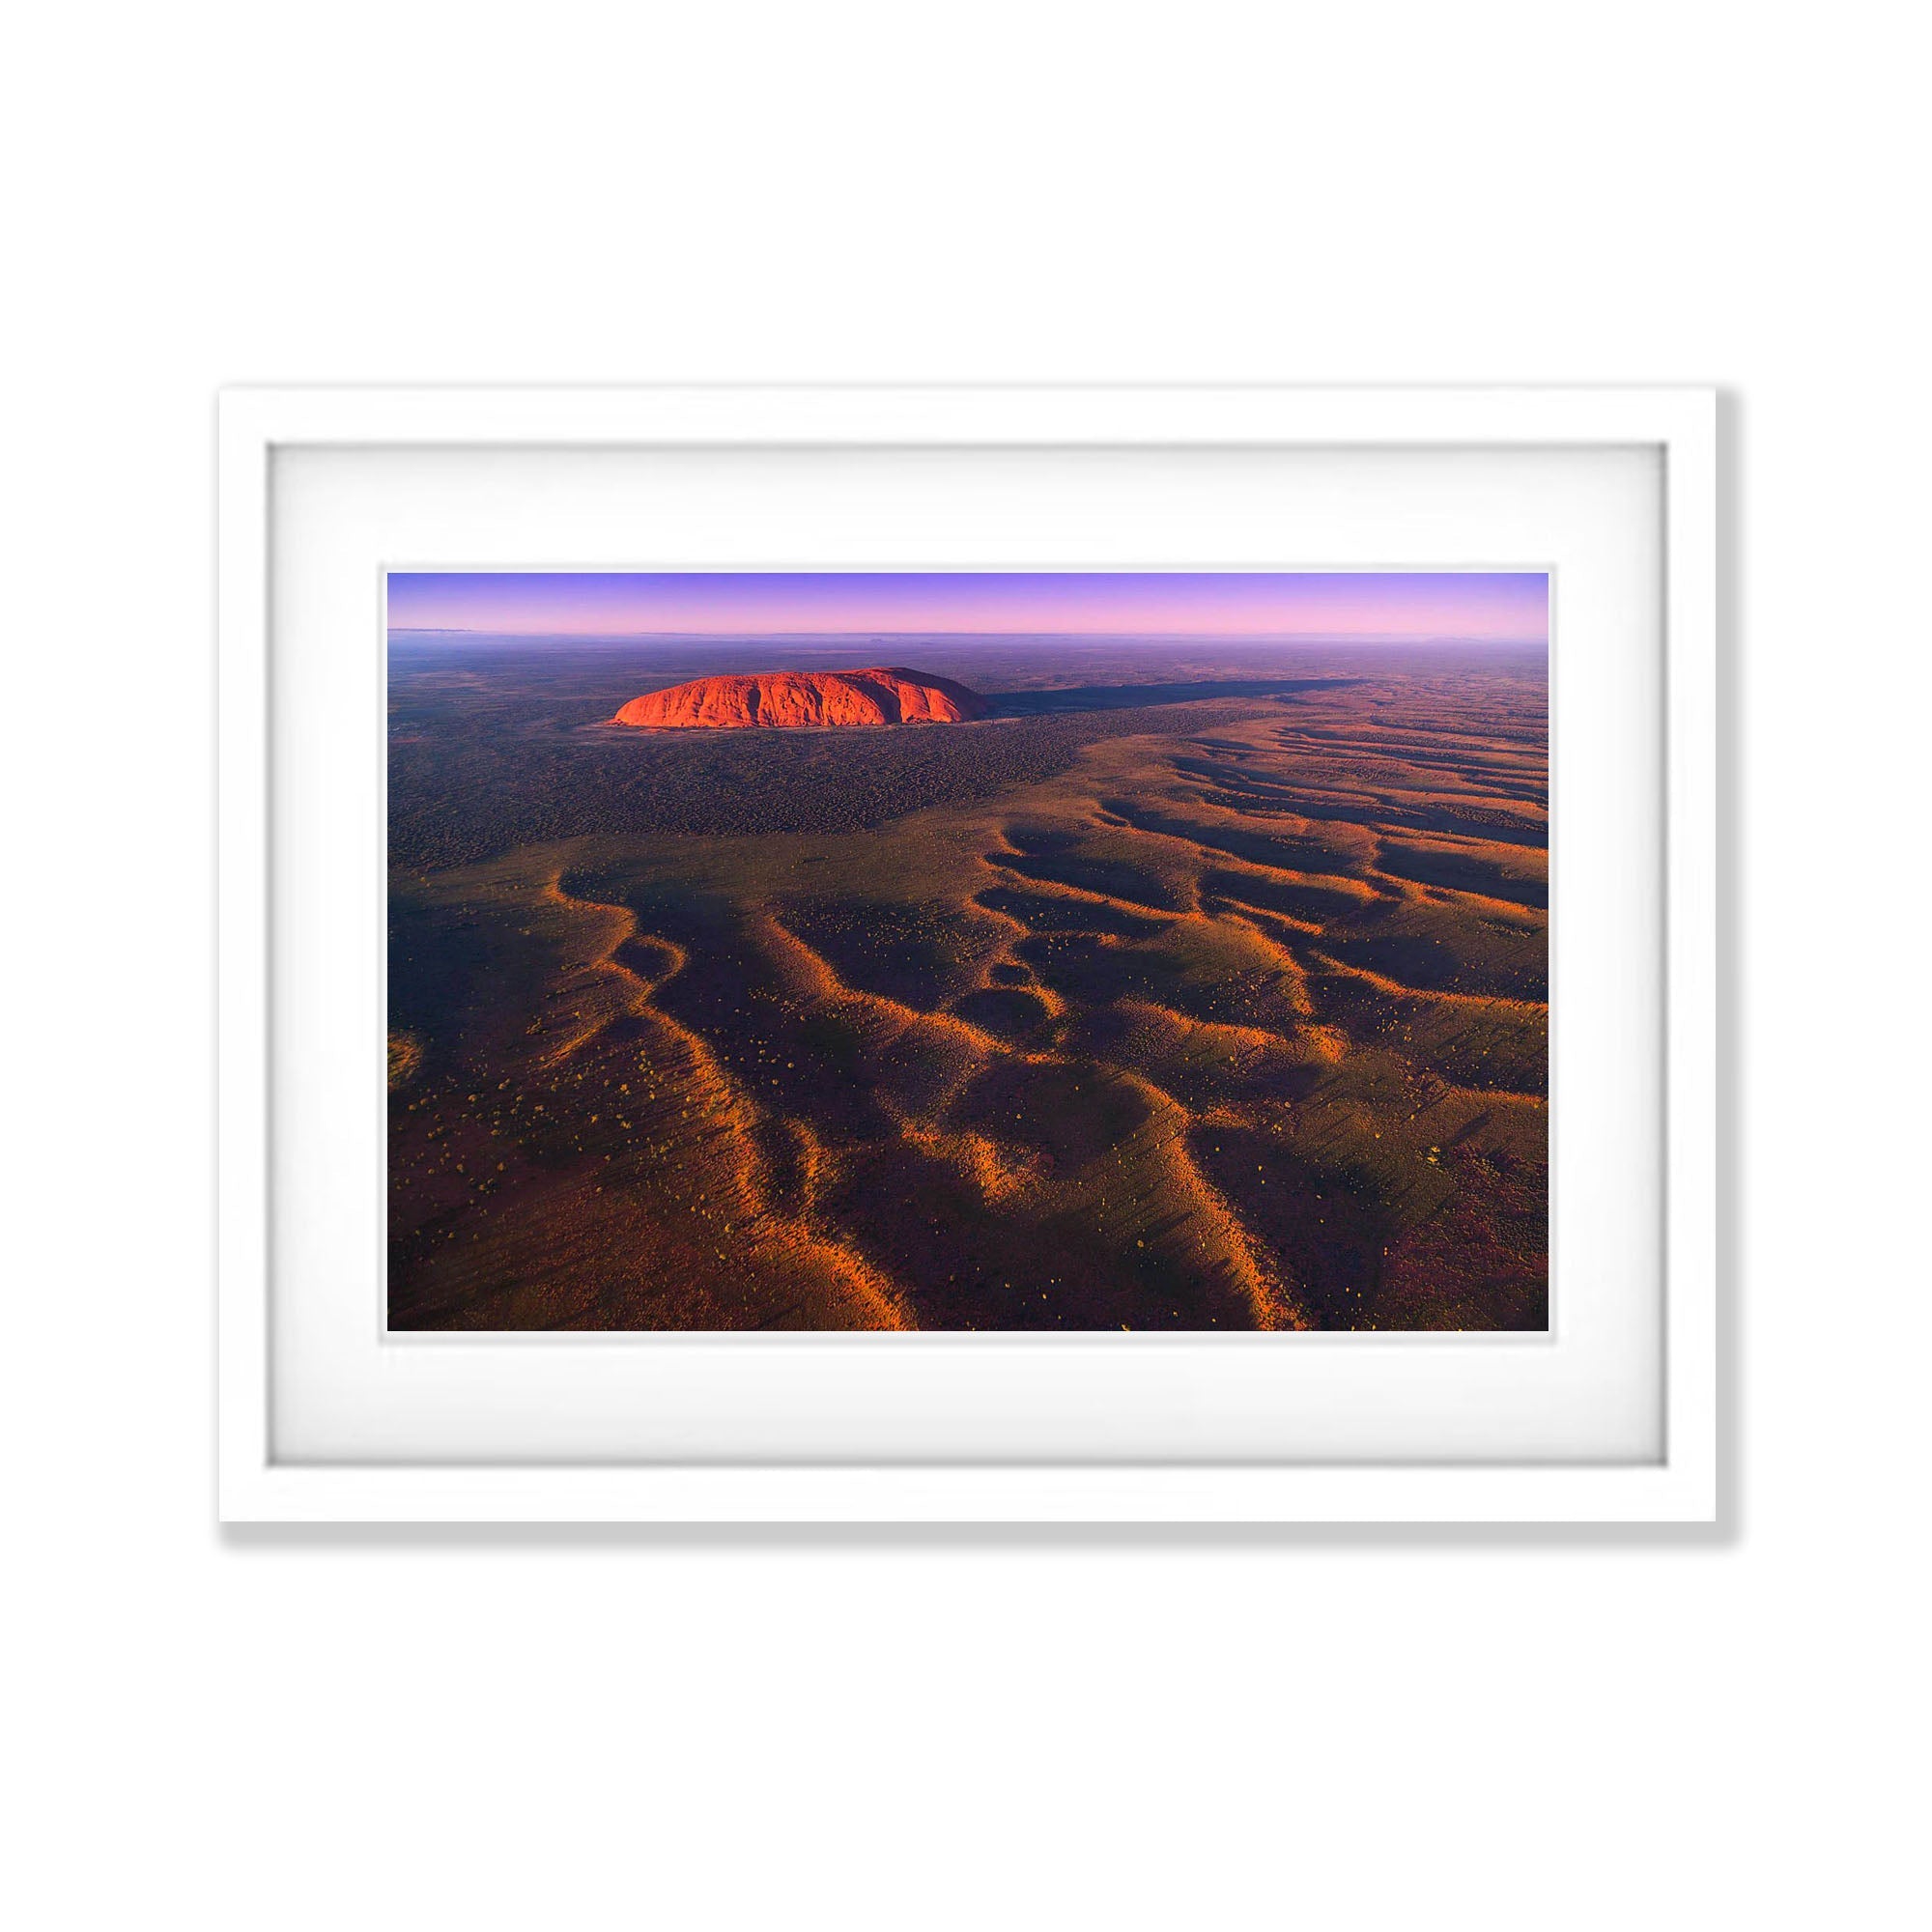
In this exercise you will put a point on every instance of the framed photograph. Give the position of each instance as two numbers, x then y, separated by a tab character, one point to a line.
984	954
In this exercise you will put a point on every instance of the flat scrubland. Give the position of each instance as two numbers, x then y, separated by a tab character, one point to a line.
1177	1001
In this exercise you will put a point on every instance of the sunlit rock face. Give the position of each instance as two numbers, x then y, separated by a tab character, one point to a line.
781	699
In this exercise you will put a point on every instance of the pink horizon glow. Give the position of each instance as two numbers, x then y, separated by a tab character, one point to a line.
1490	605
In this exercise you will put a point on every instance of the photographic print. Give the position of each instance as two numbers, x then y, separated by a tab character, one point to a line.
968	951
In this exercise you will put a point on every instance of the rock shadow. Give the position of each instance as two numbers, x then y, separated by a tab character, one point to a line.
1130	697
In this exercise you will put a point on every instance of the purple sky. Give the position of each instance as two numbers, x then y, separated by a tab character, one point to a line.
1505	607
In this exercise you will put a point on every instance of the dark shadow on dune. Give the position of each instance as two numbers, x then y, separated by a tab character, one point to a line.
1130	697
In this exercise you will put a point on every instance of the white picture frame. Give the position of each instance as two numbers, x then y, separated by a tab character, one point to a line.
1680	1482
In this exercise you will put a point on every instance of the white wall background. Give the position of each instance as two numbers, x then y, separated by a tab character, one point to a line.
422	1730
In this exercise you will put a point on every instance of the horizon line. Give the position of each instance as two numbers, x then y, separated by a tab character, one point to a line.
1218	636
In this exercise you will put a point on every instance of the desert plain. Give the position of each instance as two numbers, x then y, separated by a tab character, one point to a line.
1200	985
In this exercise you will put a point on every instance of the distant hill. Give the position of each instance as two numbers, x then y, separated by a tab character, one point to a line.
783	700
